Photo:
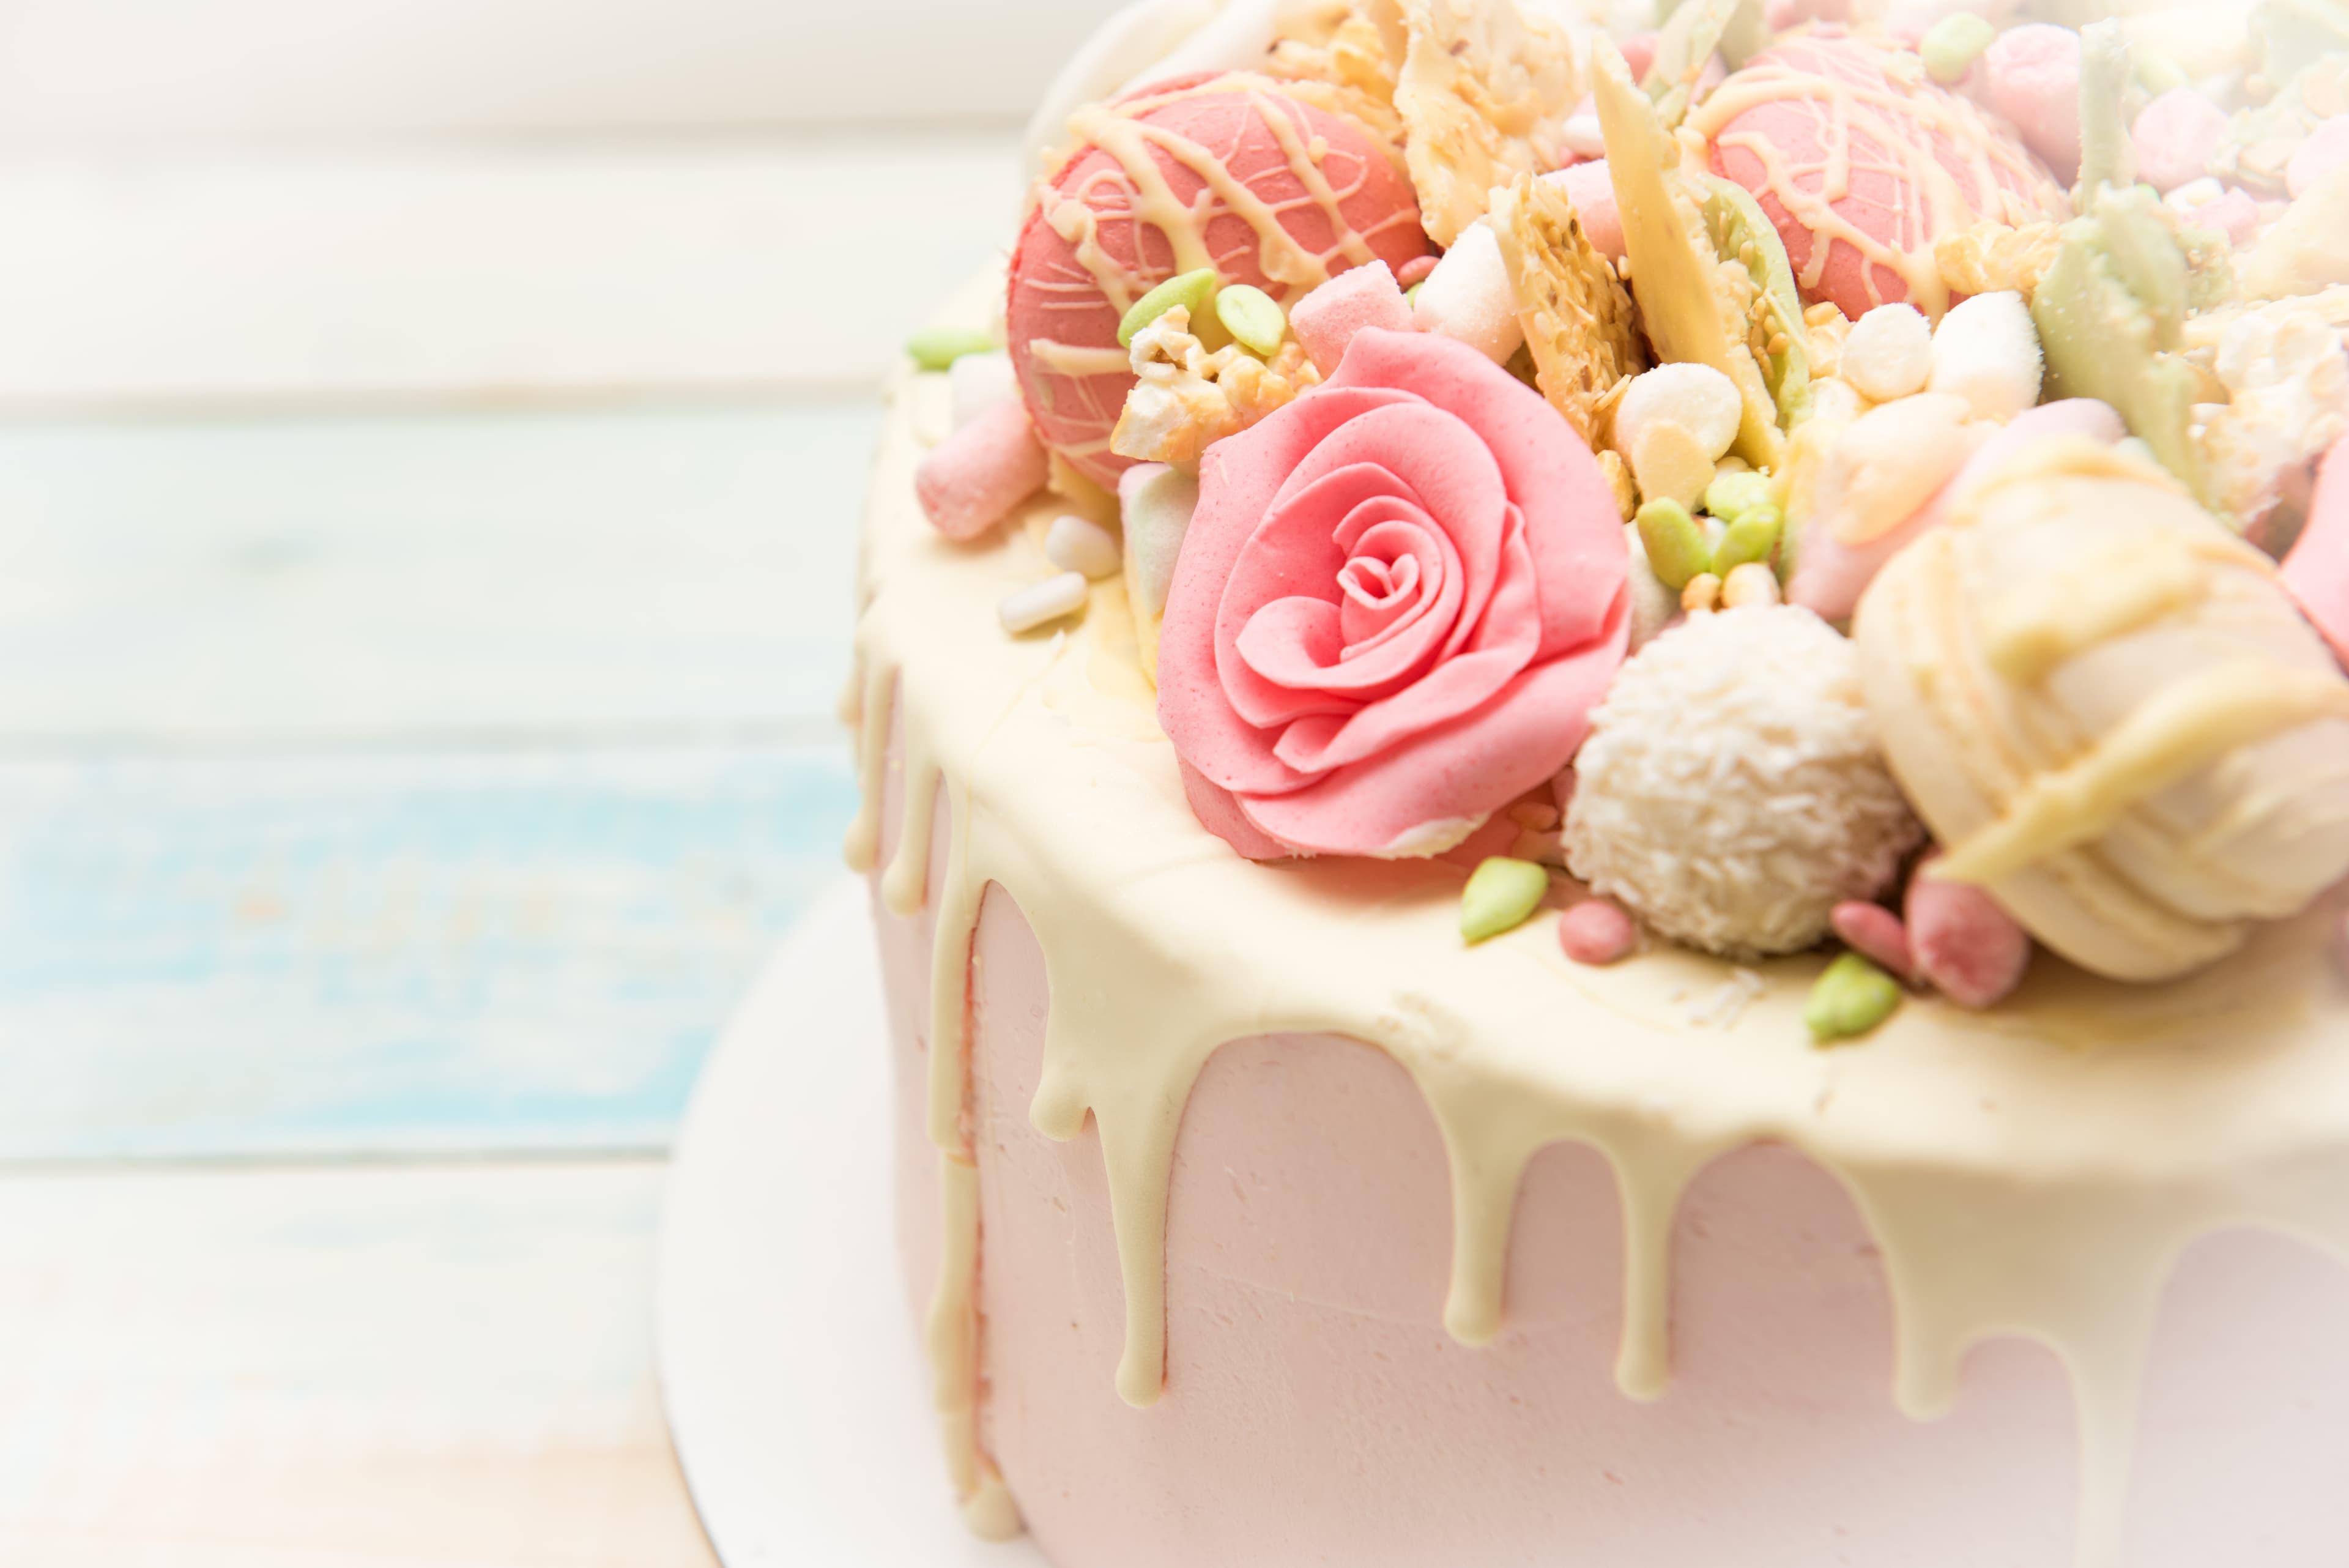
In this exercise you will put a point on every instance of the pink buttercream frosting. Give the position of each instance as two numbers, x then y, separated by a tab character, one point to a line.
1398	601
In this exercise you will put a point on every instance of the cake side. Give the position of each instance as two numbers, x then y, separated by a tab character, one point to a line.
1997	1205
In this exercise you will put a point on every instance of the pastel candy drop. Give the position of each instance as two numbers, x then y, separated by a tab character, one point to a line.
1753	586
1591	189
2177	136
1965	945
975	477
1326	320
1469	296
1698	398
1850	1000
1502	894
1414	272
2316	572
2032	75
1875	933
1078	545
1889	352
1224	152
1598	932
1840	121
1025	609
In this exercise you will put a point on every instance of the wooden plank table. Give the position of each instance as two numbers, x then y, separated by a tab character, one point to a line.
424	586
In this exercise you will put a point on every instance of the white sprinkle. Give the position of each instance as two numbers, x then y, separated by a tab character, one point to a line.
1031	606
1723	1008
1076	544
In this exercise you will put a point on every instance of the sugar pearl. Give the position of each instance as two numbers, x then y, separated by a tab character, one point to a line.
1075	544
1598	932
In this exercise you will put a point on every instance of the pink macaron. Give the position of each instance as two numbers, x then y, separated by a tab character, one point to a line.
1340	198
1824	119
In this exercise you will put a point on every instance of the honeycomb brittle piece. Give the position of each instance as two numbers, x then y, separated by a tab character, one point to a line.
1350	52
1581	324
1484	93
1994	258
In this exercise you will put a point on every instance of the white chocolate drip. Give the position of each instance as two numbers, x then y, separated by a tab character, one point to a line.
2035	1173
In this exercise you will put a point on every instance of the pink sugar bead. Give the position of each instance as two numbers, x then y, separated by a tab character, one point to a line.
975	478
1415	271
1876	934
2234	215
1326	319
2176	137
1596	932
2032	77
1967	946
2326	149
1591	189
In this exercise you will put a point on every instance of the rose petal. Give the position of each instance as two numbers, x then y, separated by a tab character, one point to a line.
1572	525
1358	675
1471	766
1503	646
1239	476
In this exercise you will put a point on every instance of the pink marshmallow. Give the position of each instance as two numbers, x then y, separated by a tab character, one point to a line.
1598	932
2234	215
1876	934
1591	189
2326	149
1326	319
2176	137
2316	571
975	478
2031	74
1967	946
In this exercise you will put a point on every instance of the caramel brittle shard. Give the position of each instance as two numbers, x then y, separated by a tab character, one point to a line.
1994	258
1484	93
1581	324
1350	52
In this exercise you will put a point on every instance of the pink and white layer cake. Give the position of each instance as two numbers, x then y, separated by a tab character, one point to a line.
1470	987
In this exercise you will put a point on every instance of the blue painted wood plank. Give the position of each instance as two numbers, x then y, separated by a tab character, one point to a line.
382	951
304	580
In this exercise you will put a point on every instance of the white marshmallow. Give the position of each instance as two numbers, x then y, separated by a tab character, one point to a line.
1580	135
1468	296
1155	504
1024	610
1653	605
1076	544
1890	353
1987	352
1696	397
980	382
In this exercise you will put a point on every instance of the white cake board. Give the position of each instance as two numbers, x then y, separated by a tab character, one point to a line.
791	1372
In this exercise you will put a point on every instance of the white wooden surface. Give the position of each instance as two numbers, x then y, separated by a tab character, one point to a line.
424	582
78	70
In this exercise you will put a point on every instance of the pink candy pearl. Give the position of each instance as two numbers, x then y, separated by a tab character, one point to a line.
1967	945
1597	931
1876	934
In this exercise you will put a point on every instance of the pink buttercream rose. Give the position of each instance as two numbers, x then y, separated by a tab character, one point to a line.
1396	606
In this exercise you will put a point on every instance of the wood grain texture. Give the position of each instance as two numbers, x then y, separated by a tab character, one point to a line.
316	580
335	1369
486	275
109	69
387	952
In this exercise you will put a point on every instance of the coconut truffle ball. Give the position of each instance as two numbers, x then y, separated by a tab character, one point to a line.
1732	793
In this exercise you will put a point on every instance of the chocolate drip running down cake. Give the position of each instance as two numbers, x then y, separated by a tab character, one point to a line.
1608	779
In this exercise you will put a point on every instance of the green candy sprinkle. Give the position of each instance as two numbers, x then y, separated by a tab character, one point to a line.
1730	495
1677	548
1502	894
1954	43
1850	1000
1194	291
1750	539
1253	317
936	348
